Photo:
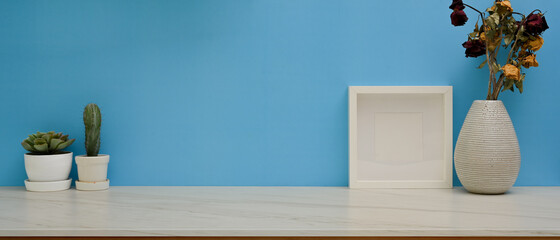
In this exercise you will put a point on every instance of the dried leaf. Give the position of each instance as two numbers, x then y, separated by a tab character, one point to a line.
495	67
508	39
519	84
495	18
508	85
476	26
482	64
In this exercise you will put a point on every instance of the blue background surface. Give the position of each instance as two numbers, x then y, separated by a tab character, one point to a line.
219	92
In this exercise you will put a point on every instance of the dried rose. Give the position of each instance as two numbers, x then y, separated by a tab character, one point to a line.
457	5
474	48
529	61
511	72
458	17
533	45
535	24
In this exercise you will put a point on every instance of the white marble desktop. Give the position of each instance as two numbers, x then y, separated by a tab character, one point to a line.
279	211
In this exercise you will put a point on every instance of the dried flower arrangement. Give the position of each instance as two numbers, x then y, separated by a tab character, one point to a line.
500	29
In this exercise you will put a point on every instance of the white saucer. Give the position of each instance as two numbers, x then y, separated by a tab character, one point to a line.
92	186
48	186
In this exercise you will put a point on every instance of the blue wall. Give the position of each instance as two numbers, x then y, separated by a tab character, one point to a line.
219	92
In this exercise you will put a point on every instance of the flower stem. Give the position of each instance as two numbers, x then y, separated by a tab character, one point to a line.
489	60
479	12
490	64
518	14
499	86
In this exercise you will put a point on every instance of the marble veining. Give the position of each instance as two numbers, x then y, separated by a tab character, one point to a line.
279	211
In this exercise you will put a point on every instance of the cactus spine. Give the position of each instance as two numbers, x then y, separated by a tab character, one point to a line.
92	122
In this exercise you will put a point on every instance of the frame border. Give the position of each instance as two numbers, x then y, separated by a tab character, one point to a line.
447	94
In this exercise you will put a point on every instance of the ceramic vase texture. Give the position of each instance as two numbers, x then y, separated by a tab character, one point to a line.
48	168
487	156
92	172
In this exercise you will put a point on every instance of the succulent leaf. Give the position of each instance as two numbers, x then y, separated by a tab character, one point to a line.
55	142
30	142
43	147
39	141
65	144
28	146
47	137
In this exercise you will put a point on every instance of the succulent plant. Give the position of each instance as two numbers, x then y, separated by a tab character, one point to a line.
92	122
46	143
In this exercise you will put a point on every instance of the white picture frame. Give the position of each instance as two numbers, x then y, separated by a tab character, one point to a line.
400	136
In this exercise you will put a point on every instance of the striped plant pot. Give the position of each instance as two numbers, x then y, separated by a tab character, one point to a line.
487	154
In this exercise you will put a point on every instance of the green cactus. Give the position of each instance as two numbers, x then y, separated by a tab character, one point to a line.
46	143
92	122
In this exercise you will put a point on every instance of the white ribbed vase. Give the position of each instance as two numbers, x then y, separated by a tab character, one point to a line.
487	154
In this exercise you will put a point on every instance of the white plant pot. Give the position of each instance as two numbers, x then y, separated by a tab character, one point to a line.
48	172
92	172
48	168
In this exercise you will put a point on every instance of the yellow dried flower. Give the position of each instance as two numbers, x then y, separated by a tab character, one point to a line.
511	72
529	61
482	36
506	5
534	45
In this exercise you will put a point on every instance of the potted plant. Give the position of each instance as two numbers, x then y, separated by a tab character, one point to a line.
47	165
92	167
487	156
